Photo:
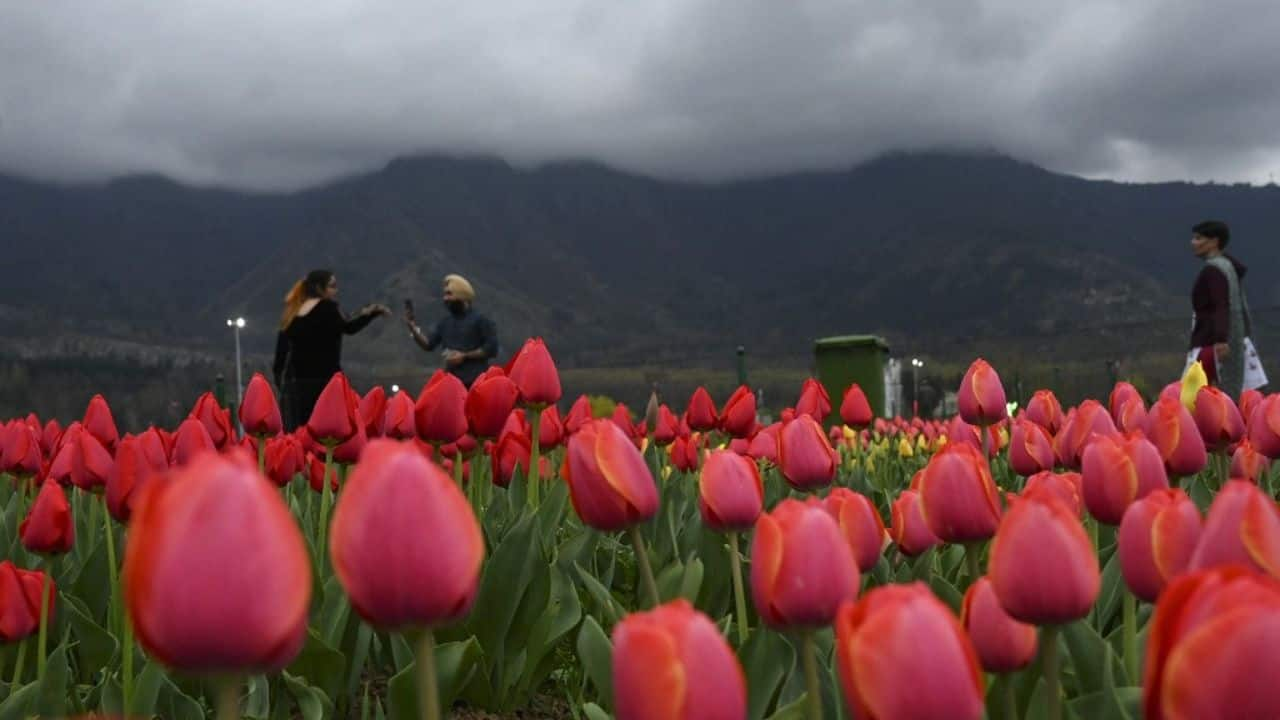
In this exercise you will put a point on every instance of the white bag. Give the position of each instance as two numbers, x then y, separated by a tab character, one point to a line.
1254	376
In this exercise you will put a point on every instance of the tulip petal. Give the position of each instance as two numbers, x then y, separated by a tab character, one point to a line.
651	683
1260	533
1217	671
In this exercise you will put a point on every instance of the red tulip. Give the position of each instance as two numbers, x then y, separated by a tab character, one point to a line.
535	374
730	492
1172	390
1067	487
191	440
1133	416
216	574
260	413
1217	419
397	418
1122	394
215	418
49	528
1042	565
512	449
285	459
132	469
349	452
1003	644
550	429
1157	538
814	400
701	412
667	428
439	415
672	663
20	594
855	411
405	544
315	473
579	414
1174	433
738	418
609	482
1212	633
373	408
883	665
1117	471
1243	527
805	456
958	495
1248	463
909	529
99	423
90	462
802	569
489	402
22	455
860	524
336	417
621	417
1264	427
1044	410
684	454
1089	420
981	398
1249	401
1030	448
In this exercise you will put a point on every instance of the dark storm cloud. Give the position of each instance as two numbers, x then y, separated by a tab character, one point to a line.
282	94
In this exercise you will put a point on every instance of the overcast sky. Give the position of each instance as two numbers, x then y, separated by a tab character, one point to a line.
285	93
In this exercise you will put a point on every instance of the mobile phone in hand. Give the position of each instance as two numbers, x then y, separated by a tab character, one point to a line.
408	307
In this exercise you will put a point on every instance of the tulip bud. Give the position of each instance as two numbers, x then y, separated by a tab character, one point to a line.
860	524
880	662
132	469
489	402
814	400
1217	419
1192	381
49	528
20	594
739	416
579	414
672	663
259	412
1067	487
684	454
730	492
1089	420
959	496
512	450
1211	632
909	529
805	456
1030	448
285	459
99	422
335	417
1249	401
764	444
216	574
1045	411
22	454
1042	566
535	374
1117	471
701	412
981	398
1132	416
667	427
789	588
1243	526
215	418
373	407
1172	430
855	411
1249	464
609	482
405	544
90	463
1003	644
1157	538
439	415
1264	427
397	418
315	474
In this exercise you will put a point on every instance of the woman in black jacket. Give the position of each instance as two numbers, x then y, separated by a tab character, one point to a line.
309	345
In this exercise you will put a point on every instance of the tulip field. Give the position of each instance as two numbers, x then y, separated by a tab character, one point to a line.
477	552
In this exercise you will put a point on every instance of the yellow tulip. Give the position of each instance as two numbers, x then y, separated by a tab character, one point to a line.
904	448
1192	381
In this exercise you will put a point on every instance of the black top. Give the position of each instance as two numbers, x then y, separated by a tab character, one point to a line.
466	332
310	348
1211	300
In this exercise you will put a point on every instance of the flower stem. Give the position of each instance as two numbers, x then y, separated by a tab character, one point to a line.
739	596
457	470
1052	680
535	456
42	641
229	699
113	614
1131	637
18	667
126	681
813	689
326	499
262	454
973	561
646	571
428	691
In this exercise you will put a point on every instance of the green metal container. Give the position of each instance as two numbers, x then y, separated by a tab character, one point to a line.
847	359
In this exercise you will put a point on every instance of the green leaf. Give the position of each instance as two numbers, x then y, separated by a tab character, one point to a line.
947	592
257	702
794	711
563	613
508	573
311	701
96	648
334	613
146	690
595	652
1111	595
18	705
1090	657
173	704
456	662
321	665
91	583
54	693
767	660
692	581
600	594
595	712
669	579
1121	704
359	657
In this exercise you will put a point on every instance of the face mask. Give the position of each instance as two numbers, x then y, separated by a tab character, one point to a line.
456	307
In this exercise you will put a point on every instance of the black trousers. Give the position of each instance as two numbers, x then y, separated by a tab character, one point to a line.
300	395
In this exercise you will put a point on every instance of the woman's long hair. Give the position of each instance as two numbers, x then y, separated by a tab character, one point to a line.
311	286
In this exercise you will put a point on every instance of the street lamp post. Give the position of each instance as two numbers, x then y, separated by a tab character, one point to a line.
916	364
237	325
